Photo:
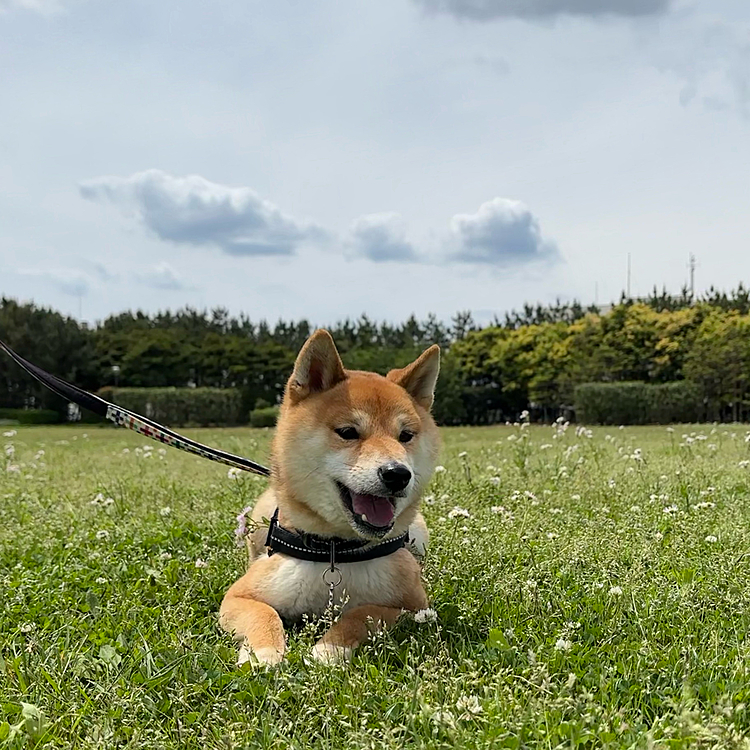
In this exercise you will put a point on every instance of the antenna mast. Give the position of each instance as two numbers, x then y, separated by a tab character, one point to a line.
628	275
691	266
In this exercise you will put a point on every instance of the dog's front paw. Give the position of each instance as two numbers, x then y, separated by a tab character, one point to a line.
264	655
331	653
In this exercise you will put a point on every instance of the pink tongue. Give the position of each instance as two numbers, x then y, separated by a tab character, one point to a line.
379	510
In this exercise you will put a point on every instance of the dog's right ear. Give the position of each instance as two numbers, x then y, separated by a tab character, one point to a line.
318	367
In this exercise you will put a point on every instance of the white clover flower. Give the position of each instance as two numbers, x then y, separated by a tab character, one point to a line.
443	716
545	446
711	539
469	705
102	534
670	510
615	591
670	429
126	450
13	469
201	563
459	512
98	499
658	536
162	451
429	499
439	469
165	511
38	455
10	433
234	473
26	627
463	454
425	615
744	464
101	580
563	644
10	450
575	497
551	535
494	481
703	505
165	556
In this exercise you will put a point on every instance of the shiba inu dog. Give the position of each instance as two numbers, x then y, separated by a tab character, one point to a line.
351	457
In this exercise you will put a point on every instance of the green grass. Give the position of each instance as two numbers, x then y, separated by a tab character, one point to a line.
606	604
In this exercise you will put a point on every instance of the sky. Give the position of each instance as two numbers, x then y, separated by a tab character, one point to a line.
323	160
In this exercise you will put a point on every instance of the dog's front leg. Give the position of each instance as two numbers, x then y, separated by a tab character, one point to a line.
255	623
354	628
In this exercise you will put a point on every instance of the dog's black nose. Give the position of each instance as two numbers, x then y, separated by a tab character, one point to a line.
394	476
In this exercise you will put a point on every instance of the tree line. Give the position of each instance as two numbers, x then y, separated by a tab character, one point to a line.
532	360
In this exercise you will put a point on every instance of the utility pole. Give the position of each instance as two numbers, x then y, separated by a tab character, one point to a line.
628	275
691	266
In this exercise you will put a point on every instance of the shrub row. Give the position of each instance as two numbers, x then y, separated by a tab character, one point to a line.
265	417
29	416
177	407
638	403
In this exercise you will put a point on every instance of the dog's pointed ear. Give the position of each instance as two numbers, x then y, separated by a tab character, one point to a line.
318	367
419	378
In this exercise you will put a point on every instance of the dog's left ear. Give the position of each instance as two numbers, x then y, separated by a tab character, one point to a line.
318	367
419	378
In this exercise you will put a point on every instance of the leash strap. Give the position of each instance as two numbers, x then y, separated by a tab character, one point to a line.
132	421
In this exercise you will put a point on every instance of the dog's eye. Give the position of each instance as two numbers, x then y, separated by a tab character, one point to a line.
347	433
405	436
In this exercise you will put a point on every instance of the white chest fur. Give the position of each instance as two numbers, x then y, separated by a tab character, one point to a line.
296	587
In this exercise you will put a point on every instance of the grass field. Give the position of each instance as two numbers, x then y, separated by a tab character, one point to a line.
591	589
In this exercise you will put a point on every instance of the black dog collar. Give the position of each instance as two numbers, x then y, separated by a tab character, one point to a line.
330	550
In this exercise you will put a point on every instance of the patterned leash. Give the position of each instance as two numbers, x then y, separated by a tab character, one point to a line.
131	420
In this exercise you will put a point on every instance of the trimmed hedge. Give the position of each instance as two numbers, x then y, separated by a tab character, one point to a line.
30	416
178	407
638	403
265	417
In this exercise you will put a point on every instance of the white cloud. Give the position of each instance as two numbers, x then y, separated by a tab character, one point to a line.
488	10
163	276
72	283
381	237
710	56
45	7
191	210
502	232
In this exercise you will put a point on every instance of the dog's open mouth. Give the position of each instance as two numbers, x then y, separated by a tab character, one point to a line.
372	514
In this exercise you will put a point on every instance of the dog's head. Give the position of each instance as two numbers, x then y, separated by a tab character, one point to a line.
354	450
